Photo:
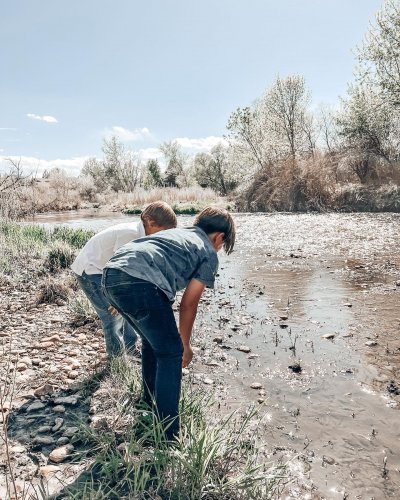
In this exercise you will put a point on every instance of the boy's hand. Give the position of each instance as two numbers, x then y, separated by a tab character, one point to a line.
112	311
187	355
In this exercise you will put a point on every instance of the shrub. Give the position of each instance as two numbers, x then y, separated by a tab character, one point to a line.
60	256
52	292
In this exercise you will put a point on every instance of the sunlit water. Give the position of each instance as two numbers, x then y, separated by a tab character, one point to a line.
329	274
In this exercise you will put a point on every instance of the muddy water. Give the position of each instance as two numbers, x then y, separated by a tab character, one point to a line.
292	281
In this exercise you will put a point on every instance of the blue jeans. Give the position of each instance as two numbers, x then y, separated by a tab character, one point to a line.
150	312
118	333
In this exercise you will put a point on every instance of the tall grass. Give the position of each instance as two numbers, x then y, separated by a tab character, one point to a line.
215	458
31	245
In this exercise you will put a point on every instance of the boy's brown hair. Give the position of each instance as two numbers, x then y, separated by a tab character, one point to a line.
160	213
215	219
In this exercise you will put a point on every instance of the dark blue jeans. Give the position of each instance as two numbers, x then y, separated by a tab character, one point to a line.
150	312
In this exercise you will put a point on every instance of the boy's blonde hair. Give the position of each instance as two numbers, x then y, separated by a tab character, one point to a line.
218	220
160	213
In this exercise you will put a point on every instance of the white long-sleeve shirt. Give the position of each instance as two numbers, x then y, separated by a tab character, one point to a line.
102	246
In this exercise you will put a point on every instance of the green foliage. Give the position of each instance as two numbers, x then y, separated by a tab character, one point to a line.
76	238
153	177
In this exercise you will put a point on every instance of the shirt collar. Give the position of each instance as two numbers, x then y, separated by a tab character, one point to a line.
141	230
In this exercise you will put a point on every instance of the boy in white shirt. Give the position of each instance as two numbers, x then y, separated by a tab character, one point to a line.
91	260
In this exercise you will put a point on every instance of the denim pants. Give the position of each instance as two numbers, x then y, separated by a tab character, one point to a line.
150	312
118	333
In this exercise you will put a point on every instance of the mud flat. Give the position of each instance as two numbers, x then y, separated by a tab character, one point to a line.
304	322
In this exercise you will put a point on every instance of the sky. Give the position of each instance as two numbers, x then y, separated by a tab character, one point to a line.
78	71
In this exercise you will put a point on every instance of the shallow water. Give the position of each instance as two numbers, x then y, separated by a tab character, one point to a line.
328	274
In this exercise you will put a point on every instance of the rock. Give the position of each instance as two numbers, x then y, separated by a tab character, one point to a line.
44	390
73	374
21	367
15	450
260	400
328	460
244	348
283	317
67	400
218	340
58	455
43	440
70	431
347	304
371	343
44	345
48	470
62	441
53	338
328	336
58	422
208	381
296	368
37	405
59	409
5	407
4	334
398	283
256	385
43	429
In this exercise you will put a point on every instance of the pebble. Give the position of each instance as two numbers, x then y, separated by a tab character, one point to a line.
70	431
256	385
328	460
329	336
58	455
371	343
44	390
43	429
43	440
208	381
37	405
244	348
48	470
218	340
67	400
62	441
17	449
58	422
59	409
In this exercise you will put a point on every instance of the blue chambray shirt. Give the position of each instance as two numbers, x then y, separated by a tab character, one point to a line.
169	259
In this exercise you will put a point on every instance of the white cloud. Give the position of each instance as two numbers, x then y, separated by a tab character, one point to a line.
149	154
36	166
44	118
127	135
12	129
202	143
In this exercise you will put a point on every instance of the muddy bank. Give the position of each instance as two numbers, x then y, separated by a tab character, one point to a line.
317	293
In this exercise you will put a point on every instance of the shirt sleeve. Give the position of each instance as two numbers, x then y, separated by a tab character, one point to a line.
207	271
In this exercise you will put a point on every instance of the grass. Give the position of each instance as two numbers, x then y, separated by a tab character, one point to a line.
37	248
213	459
180	207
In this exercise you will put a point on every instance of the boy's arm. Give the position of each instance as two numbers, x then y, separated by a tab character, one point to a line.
187	315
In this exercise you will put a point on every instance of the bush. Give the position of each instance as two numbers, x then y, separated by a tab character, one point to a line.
51	292
60	256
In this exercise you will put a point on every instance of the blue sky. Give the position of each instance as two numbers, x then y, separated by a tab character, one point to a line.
75	71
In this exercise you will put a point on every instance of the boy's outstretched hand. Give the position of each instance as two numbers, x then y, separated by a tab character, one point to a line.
187	355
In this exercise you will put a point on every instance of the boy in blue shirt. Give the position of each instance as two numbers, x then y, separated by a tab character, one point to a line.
141	281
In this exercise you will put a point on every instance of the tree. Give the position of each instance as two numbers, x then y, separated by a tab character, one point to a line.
119	169
370	132
380	54
214	170
175	161
153	177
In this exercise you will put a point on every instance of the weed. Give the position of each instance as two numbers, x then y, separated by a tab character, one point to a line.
59	256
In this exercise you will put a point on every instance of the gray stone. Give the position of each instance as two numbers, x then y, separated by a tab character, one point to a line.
59	409
67	400
70	431
244	348
43	440
58	422
43	429
62	441
37	405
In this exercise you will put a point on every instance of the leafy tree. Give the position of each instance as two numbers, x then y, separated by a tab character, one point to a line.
175	161
153	176
214	170
370	132
380	53
118	170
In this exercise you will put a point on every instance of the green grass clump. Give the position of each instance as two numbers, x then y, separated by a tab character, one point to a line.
59	256
218	459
